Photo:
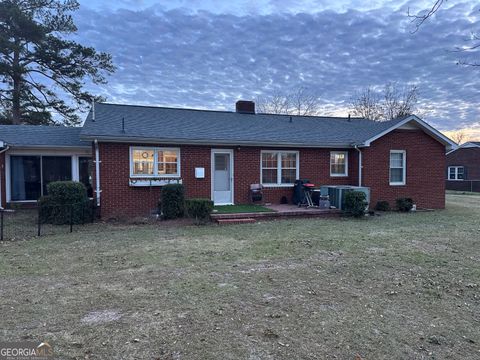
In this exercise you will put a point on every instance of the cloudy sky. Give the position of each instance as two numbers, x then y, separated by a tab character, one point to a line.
208	54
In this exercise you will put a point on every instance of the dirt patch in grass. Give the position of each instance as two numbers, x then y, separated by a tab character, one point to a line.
101	316
399	286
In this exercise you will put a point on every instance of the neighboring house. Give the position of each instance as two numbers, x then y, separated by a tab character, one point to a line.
33	156
219	154
463	167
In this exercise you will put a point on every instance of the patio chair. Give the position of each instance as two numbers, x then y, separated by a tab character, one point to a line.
256	192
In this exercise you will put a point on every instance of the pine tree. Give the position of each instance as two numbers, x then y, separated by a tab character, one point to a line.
42	70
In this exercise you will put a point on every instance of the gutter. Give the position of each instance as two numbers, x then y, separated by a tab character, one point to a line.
233	142
97	173
2	172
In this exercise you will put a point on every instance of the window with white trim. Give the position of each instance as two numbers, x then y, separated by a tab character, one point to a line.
338	163
279	167
397	167
456	173
154	162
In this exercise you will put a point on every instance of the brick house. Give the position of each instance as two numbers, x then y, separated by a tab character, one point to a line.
219	154
463	167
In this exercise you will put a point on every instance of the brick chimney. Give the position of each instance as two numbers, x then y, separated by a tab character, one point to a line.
245	107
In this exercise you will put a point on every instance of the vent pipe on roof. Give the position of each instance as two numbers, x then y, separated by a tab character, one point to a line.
123	124
93	110
349	119
291	119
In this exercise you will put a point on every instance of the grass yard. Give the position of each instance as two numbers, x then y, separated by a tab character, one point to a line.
398	286
232	209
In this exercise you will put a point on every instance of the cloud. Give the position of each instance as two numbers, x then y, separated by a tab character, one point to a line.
209	60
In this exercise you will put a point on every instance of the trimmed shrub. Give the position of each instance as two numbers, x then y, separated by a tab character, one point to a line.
382	206
66	201
172	204
404	204
355	203
199	209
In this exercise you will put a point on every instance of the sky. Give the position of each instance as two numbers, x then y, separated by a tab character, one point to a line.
208	54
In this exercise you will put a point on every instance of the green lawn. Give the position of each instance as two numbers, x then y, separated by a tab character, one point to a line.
231	209
397	286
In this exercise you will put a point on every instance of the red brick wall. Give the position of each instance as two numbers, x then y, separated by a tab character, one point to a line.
469	158
118	199
425	158
425	173
314	165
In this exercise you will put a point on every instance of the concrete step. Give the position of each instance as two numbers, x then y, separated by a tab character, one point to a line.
236	221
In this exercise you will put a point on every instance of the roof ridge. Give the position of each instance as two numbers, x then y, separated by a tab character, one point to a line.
233	112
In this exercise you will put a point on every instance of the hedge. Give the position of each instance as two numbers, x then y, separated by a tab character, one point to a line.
404	204
172	204
355	203
67	201
199	209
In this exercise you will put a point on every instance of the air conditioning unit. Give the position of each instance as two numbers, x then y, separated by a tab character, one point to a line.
337	193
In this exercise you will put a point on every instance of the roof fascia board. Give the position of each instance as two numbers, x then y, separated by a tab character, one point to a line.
205	142
429	129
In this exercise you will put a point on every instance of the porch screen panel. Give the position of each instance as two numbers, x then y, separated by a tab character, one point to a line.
25	178
85	166
56	168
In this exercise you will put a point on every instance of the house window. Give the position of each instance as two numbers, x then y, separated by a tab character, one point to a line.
154	162
456	173
279	167
397	167
338	163
30	175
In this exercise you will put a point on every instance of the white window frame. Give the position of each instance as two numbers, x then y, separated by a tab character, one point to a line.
456	173
397	183
155	162
346	164
279	167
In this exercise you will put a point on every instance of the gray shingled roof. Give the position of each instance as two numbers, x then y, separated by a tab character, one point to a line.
144	123
41	136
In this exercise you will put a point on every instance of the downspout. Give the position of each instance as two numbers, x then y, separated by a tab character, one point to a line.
97	173
1	172
359	165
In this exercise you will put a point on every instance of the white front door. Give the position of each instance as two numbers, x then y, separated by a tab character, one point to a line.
222	177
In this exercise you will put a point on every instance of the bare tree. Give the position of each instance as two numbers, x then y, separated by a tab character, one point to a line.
419	19
459	137
390	103
299	102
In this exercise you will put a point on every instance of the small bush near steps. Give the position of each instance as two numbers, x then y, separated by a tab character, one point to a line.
172	204
199	209
355	203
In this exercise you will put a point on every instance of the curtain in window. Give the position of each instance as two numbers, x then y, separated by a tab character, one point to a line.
25	178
